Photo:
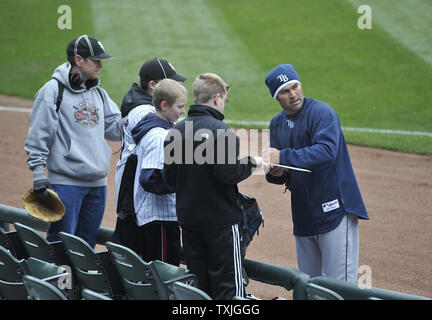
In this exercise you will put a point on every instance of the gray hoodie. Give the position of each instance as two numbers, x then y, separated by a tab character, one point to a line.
71	143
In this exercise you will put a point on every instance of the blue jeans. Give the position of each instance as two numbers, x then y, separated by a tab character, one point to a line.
85	207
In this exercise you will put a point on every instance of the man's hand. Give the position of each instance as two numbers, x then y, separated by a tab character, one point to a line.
40	190
276	171
40	186
271	155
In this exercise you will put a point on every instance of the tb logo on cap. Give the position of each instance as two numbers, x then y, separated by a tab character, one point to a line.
282	78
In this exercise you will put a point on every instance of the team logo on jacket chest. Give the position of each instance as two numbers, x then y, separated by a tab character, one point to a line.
290	123
86	115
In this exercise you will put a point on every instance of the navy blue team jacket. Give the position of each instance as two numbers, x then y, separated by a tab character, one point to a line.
313	139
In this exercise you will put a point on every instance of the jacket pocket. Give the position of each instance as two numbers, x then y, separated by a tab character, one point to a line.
89	159
85	159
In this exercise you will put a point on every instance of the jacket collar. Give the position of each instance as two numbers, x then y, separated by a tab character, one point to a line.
134	97
150	121
203	110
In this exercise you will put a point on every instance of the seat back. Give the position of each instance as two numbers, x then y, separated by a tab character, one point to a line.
12	291
43	270
38	289
87	265
92	295
11	269
168	272
33	242
11	241
136	274
36	246
5	242
183	291
11	272
164	274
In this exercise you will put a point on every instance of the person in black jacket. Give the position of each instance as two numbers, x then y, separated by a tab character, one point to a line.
201	163
151	72
137	103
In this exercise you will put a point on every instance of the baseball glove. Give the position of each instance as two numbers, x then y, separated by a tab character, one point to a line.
44	206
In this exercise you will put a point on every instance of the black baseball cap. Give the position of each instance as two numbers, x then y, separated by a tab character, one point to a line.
87	47
158	69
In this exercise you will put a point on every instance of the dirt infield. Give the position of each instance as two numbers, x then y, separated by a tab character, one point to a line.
396	244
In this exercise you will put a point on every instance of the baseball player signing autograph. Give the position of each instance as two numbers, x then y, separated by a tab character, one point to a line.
326	202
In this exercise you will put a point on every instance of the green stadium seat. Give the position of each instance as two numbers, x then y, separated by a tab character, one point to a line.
12	271
38	289
94	270
183	291
88	294
11	241
38	247
165	274
135	274
146	280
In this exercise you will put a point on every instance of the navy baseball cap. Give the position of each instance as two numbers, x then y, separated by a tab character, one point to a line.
87	47
158	69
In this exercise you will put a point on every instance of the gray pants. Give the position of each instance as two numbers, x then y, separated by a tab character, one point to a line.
333	254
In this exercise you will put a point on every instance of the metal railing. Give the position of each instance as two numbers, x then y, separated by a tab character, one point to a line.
9	215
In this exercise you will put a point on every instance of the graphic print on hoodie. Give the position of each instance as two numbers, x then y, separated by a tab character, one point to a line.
86	115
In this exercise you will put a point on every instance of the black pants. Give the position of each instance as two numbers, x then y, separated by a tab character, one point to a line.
157	240
126	232
213	255
160	240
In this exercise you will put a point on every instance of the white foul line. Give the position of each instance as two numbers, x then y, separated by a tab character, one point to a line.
384	131
412	133
15	109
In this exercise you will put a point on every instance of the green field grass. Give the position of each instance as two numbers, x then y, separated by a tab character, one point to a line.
378	78
31	43
362	74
